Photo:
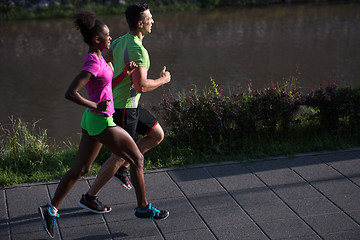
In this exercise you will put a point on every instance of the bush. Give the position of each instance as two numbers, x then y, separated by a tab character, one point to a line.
210	121
334	104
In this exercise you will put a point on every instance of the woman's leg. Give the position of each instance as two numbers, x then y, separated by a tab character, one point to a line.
120	143
89	148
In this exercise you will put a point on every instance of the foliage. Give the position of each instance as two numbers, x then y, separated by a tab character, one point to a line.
334	104
212	122
26	154
206	126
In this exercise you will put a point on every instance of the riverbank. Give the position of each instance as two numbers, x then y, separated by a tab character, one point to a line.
45	9
205	127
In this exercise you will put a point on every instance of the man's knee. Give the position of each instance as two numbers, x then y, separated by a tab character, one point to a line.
157	134
85	171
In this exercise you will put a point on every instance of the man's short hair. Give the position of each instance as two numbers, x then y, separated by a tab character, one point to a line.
133	14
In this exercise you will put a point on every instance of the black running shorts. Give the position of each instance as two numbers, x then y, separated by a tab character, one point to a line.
135	120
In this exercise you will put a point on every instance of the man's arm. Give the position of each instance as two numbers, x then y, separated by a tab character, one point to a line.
142	84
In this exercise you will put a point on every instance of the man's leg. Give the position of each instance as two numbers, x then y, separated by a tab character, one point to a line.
106	172
146	143
139	121
151	140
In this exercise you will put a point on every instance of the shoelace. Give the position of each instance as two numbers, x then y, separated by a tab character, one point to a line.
153	211
53	222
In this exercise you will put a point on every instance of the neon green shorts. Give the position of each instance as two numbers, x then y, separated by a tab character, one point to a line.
96	123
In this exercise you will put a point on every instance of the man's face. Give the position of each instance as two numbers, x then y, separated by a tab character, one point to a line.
146	22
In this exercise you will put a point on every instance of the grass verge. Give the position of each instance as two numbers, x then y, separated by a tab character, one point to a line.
26	156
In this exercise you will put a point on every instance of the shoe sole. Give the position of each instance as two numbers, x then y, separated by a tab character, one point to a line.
164	217
92	210
122	184
44	222
158	219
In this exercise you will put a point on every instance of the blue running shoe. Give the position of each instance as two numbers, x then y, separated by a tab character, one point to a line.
152	213
48	219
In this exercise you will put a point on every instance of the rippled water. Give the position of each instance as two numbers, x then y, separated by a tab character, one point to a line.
233	46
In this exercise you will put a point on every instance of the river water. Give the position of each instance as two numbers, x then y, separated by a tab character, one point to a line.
232	46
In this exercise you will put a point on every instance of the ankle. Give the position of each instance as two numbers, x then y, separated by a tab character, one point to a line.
53	209
89	197
143	207
122	169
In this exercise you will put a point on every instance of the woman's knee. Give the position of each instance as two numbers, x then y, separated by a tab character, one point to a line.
138	161
78	172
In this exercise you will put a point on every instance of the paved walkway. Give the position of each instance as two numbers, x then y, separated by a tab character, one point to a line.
310	196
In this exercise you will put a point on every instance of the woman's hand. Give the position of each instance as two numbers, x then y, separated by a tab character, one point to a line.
103	105
129	68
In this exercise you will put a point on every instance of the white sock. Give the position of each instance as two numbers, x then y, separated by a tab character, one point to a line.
53	209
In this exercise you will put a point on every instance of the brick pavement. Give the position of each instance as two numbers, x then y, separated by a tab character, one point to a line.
309	196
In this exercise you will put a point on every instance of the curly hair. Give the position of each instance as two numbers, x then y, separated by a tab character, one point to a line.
86	22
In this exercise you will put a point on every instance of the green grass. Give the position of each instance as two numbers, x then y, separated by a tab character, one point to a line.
302	140
27	156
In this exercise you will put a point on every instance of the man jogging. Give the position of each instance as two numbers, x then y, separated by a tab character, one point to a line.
129	114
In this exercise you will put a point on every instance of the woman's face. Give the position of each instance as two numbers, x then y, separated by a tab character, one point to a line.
104	38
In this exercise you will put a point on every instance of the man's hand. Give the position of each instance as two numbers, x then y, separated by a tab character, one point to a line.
165	74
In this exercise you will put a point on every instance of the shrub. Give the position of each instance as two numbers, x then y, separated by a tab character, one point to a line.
209	120
275	107
333	104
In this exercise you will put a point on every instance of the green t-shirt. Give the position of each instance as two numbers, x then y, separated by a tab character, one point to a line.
125	49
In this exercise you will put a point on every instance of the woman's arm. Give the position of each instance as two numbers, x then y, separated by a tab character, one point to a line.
73	94
129	69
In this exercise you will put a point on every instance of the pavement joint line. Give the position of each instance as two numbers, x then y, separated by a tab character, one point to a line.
7	214
159	230
342	210
193	207
102	216
345	176
282	200
241	207
107	226
249	161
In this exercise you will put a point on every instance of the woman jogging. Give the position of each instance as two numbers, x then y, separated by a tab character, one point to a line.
98	128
